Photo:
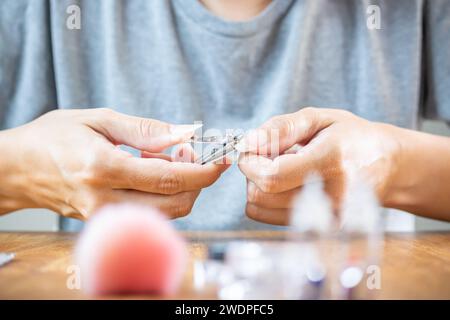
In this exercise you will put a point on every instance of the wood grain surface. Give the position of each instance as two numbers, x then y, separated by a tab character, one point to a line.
415	265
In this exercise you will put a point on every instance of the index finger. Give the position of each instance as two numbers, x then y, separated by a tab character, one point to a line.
160	176
285	172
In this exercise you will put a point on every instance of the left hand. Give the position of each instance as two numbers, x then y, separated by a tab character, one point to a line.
333	143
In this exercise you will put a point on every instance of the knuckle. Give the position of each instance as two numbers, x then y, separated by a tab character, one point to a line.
285	124
99	115
252	212
345	114
268	183
105	112
170	182
145	127
254	195
277	121
182	207
308	110
93	173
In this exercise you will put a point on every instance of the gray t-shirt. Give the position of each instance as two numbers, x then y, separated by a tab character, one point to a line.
177	62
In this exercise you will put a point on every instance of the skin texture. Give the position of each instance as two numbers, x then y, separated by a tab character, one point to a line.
409	170
68	161
236	10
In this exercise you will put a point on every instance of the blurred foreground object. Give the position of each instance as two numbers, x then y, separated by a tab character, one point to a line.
6	257
325	256
348	245
127	248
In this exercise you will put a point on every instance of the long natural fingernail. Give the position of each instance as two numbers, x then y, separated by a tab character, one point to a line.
183	132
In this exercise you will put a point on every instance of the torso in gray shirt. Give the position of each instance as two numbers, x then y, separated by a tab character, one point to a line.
175	61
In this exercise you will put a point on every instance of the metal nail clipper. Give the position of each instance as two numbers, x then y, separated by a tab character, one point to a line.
225	145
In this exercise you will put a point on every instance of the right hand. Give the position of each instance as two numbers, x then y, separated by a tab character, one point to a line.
68	161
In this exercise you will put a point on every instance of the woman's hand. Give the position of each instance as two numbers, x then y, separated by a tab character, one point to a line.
69	161
337	145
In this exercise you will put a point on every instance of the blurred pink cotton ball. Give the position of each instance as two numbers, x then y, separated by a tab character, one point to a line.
126	248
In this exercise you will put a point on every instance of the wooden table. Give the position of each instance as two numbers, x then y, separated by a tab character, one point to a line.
415	266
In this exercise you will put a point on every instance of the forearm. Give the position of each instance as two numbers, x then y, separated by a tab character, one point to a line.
12	179
420	180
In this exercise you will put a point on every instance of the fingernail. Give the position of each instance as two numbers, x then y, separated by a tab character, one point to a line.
183	132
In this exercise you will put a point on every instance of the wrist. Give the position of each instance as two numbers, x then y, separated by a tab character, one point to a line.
400	182
13	183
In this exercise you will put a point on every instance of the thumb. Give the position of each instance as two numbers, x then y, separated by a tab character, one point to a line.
283	132
141	133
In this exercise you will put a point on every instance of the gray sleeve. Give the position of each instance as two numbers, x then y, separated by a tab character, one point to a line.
27	86
437	60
